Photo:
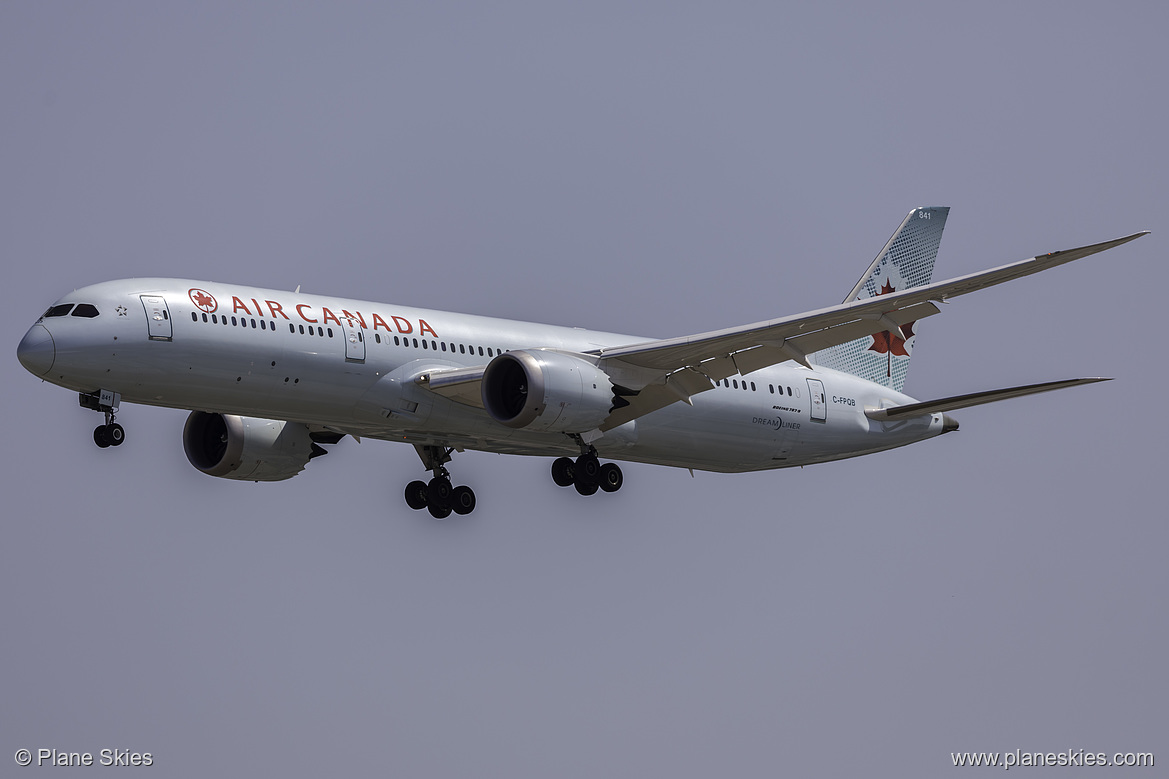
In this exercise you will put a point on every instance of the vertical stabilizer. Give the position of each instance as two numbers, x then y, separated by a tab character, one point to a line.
906	261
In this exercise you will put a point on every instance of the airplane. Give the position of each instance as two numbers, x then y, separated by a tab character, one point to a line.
273	377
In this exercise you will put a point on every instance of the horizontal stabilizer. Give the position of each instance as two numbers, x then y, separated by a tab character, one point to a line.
973	399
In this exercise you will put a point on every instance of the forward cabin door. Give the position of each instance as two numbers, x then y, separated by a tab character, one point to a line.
157	317
354	336
819	406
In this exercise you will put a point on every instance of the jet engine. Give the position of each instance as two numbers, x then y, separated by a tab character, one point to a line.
247	448
548	391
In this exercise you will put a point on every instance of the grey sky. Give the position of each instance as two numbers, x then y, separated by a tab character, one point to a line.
656	169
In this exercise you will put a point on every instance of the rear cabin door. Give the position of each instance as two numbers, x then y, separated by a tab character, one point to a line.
819	407
354	336
157	317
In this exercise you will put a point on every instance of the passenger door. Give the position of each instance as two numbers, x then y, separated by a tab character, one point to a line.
354	336
819	405
157	317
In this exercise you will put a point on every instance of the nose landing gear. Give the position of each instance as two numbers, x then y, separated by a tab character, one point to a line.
111	434
105	401
438	496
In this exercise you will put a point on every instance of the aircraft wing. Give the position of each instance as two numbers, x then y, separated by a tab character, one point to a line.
462	386
659	373
677	368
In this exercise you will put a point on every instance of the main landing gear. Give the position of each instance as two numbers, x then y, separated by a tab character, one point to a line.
438	496
587	474
105	401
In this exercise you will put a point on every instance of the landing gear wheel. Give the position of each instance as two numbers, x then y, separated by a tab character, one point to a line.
463	500
115	434
563	469
416	495
586	489
611	478
99	436
438	494
588	469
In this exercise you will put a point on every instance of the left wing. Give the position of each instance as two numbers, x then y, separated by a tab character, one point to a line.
655	374
678	368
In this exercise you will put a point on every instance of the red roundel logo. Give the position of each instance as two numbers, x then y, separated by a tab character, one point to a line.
203	300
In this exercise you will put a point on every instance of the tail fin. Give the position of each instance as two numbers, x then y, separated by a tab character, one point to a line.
906	261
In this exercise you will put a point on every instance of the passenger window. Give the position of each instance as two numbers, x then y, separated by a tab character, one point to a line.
253	324
396	341
444	346
85	310
234	323
789	391
194	317
60	310
752	386
416	343
462	349
204	318
489	354
480	351
330	332
214	319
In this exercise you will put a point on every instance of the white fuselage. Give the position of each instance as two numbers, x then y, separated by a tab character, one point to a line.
350	366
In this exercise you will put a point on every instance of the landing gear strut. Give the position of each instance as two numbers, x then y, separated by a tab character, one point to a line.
438	495
105	401
587	474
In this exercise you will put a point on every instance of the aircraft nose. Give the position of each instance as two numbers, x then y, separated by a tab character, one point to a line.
36	351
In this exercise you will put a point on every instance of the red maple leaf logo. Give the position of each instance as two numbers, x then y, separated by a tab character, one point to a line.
205	301
890	343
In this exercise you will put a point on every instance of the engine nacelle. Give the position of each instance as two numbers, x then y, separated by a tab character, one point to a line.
546	391
246	448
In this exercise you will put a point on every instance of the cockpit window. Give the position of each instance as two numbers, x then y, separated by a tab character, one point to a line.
59	310
86	310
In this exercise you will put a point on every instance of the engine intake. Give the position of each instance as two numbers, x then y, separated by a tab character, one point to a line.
547	391
247	448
